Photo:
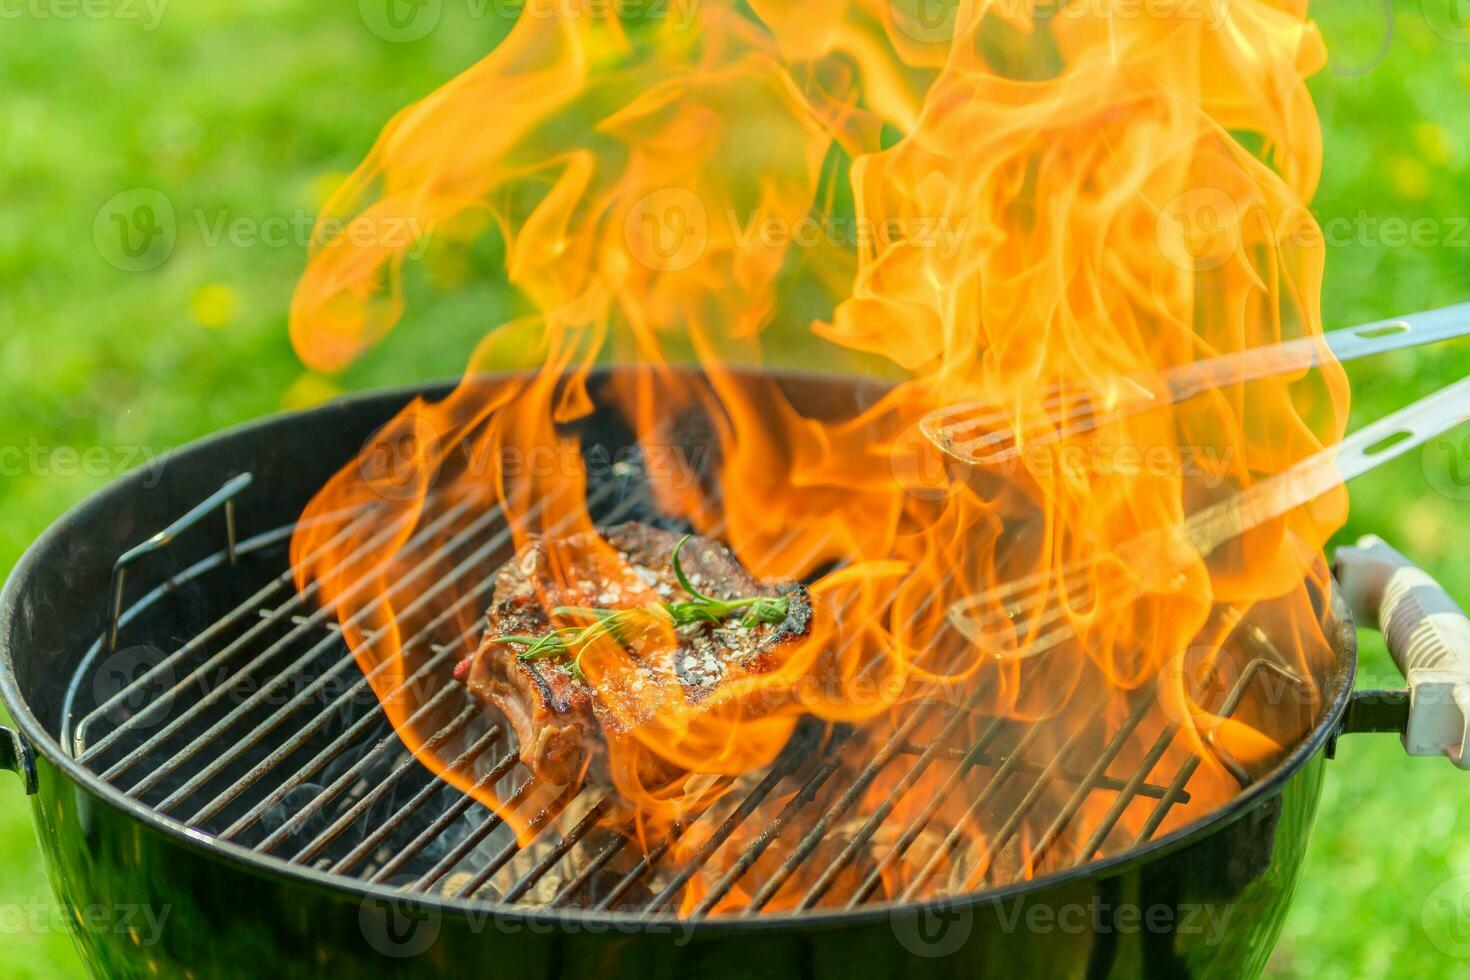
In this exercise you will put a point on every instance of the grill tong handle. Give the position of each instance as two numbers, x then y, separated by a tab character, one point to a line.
1428	636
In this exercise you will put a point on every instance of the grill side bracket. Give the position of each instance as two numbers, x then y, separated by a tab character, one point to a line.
17	756
1376	711
1372	712
223	497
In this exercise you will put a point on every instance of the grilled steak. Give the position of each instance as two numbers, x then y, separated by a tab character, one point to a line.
562	723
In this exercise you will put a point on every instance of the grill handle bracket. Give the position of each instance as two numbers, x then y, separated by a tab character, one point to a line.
16	755
1428	636
1376	711
223	497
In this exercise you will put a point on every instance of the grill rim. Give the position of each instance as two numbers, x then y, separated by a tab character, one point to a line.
1337	689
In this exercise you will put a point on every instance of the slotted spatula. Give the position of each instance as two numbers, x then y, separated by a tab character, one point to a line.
982	616
979	434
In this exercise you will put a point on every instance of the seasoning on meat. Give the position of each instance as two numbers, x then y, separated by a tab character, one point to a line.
715	623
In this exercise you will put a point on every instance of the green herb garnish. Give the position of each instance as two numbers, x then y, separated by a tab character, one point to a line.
625	625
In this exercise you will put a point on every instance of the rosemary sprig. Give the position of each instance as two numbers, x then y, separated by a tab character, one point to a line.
625	625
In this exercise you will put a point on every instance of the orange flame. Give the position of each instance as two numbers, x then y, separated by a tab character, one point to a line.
1024	196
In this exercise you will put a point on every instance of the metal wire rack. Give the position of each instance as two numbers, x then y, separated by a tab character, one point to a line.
261	729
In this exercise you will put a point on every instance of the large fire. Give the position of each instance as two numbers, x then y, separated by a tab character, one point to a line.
986	204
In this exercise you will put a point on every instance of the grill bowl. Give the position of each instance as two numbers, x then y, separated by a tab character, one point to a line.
1216	890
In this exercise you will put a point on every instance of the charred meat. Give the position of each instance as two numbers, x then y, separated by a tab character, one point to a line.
716	624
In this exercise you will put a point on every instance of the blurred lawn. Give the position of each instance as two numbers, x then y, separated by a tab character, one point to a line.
253	110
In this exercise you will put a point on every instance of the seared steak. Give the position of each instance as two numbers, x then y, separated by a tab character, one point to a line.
562	723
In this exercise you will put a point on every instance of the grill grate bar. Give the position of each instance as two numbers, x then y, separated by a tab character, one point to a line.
409	763
1077	739
880	814
622	508
582	878
818	831
442	822
416	802
809	841
1090	782
766	837
806	794
240	746
315	621
672	836
1186	772
1162	808
477	862
1103	782
1130	791
387	743
80	747
362	684
645	861
334	748
747	806
998	780
301	737
558	850
534	827
194	643
460	851
475	838
916	827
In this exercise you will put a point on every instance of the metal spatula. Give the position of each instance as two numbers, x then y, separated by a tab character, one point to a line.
978	432
980	617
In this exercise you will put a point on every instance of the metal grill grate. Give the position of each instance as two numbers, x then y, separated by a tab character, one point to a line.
260	729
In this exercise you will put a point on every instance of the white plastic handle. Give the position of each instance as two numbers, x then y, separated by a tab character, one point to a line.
1427	635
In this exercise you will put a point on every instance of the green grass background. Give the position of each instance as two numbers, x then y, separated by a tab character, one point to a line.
253	110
